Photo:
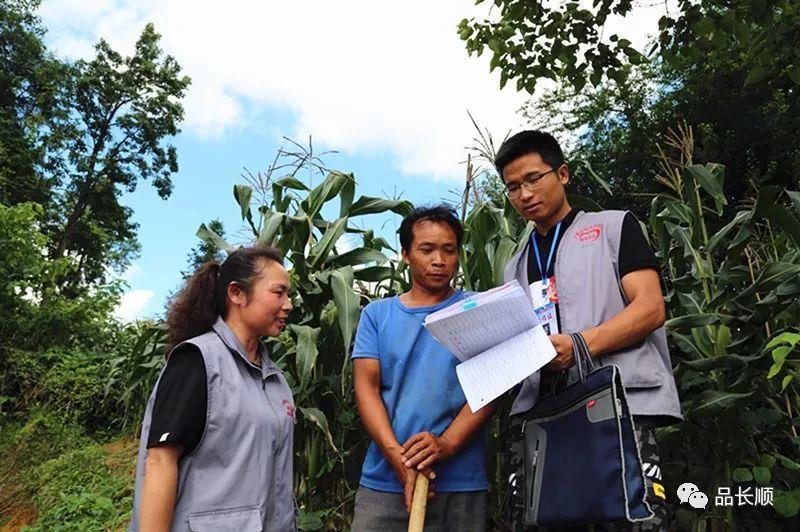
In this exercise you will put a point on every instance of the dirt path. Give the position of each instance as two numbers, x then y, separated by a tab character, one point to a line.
20	517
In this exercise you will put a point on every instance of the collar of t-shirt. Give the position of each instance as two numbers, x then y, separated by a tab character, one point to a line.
544	242
452	298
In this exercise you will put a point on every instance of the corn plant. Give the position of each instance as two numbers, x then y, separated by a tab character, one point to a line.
133	373
730	275
330	285
732	284
493	233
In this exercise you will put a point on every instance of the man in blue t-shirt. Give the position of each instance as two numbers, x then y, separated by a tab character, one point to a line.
409	397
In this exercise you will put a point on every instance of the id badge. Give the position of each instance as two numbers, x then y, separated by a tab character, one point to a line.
545	297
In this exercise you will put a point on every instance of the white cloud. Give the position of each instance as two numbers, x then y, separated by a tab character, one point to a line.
131	272
361	77
132	304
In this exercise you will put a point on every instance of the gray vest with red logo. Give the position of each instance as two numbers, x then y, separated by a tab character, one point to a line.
240	475
590	293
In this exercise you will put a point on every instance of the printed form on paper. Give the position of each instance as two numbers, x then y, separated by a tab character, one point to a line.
498	339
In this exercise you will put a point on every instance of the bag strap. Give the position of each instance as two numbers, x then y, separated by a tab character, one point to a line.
577	353
586	353
582	357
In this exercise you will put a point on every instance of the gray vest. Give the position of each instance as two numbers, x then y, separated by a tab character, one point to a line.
240	475
590	293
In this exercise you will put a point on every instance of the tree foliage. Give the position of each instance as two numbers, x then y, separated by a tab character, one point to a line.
120	111
35	313
74	136
613	130
77	135
566	41
29	94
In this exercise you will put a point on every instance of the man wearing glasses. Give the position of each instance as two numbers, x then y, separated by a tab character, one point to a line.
592	273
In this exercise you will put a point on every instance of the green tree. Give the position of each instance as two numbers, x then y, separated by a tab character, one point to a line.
75	136
121	111
22	266
30	92
617	126
533	40
205	251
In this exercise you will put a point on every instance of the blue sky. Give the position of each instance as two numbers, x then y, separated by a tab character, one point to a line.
387	84
204	190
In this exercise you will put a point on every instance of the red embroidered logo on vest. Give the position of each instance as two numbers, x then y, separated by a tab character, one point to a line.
589	234
289	408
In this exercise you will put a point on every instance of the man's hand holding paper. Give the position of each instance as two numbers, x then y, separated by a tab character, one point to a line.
564	355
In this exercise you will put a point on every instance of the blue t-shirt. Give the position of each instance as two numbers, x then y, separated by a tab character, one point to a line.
420	390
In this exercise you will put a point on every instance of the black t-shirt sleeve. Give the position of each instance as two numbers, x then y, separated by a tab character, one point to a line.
179	410
634	251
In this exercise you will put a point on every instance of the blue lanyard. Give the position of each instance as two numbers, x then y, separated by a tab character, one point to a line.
546	270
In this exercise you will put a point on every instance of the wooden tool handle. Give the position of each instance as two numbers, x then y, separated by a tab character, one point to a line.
416	521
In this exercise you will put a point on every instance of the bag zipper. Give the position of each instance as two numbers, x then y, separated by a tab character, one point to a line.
565	408
533	474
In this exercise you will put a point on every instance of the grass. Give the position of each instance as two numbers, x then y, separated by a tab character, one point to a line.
53	478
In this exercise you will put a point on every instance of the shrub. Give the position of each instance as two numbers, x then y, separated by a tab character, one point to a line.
70	382
35	311
85	489
45	435
24	446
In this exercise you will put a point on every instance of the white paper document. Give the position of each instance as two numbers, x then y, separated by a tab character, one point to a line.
495	371
497	338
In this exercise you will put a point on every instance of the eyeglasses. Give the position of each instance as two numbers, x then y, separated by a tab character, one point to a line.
513	190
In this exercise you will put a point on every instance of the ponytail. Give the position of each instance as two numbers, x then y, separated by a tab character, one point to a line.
194	310
205	295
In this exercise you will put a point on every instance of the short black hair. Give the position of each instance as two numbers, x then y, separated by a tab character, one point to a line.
438	213
526	142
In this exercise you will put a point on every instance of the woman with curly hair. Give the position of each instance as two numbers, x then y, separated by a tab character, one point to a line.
216	441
